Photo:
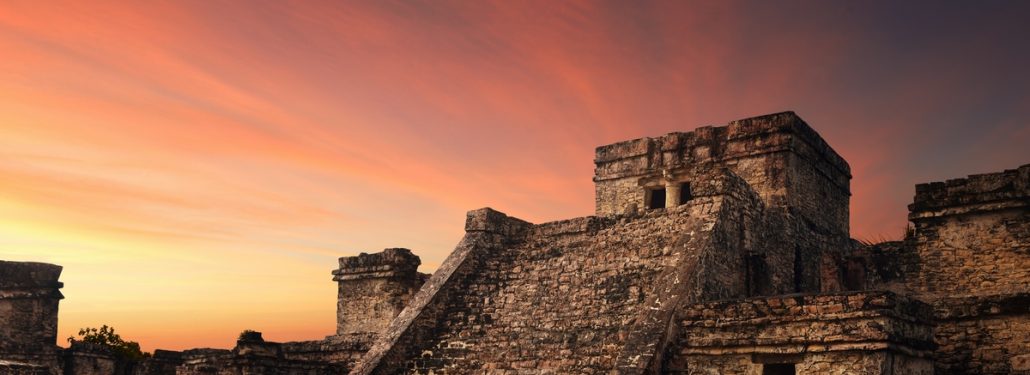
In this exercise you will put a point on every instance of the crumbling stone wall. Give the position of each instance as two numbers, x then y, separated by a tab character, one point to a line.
790	167
204	361
842	333
486	230
163	362
972	235
968	254
29	295
779	155
570	296
343	350
253	355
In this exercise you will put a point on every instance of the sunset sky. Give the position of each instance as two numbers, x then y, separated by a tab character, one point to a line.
198	166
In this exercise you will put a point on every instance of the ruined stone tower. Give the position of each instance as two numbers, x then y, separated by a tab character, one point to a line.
29	295
374	288
797	175
778	155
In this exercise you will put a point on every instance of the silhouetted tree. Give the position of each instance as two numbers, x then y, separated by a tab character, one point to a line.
107	337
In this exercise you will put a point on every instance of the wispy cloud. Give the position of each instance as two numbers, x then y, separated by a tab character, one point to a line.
212	159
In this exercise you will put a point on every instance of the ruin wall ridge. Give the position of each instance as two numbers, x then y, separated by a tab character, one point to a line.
877	320
974	193
754	136
388	263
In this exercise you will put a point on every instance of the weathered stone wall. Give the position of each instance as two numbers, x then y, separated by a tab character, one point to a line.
163	362
572	296
253	355
876	362
786	162
719	265
968	254
779	156
983	335
972	235
344	350
374	288
204	361
29	296
486	231
844	333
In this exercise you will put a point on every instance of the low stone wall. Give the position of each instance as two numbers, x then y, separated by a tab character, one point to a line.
980	192
84	358
163	362
204	361
253	355
843	333
342	350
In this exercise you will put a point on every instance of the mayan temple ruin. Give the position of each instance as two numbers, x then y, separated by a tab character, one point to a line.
723	250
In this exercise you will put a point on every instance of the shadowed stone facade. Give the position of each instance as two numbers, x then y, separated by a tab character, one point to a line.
725	250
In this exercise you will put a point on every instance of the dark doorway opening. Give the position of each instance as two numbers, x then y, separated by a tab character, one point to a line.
778	369
656	198
685	193
854	274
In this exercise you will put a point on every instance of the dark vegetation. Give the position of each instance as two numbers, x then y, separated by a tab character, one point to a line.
105	336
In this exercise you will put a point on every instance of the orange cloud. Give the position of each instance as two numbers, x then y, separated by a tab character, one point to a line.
210	160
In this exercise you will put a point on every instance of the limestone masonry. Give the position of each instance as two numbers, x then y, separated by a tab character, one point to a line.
724	250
